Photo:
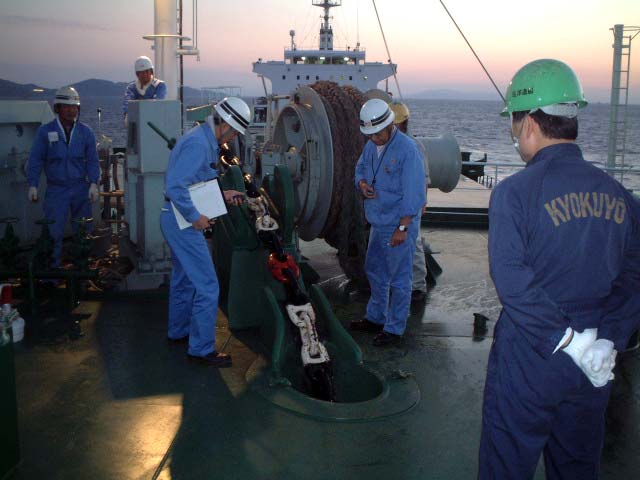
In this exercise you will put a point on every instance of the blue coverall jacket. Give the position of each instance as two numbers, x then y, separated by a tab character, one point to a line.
65	163
156	90
564	252
70	166
398	178
193	301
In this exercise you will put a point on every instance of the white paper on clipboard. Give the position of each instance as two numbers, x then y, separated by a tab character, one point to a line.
208	200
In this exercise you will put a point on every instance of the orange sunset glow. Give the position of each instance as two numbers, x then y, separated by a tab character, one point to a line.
100	39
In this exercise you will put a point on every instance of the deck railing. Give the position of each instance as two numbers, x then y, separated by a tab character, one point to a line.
494	172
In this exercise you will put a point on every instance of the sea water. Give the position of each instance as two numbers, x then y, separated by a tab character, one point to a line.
476	125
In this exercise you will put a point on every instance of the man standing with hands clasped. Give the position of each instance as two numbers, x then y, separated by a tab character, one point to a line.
193	300
390	176
66	150
564	254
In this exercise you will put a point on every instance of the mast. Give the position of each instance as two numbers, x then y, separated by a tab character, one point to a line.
168	44
622	37
326	31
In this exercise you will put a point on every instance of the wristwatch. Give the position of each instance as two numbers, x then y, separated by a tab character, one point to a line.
402	228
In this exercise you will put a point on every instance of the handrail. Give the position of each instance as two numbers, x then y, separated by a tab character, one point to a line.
518	166
492	180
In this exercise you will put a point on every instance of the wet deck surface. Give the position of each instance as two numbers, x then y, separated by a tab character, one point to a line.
121	403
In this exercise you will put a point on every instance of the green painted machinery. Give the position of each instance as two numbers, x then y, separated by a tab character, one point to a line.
254	299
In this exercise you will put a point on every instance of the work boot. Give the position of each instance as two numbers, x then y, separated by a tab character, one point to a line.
364	325
418	296
384	339
213	359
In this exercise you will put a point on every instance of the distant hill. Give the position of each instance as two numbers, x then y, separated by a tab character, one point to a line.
15	90
93	87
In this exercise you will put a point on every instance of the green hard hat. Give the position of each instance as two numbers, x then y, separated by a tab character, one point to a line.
542	83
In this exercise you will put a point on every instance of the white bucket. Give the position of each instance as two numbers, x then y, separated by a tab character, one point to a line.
17	326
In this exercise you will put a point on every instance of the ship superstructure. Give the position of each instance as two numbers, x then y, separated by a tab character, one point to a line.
302	66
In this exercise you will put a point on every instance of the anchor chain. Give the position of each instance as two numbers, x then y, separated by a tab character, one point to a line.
315	358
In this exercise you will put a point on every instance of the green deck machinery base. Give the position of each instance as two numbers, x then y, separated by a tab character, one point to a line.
253	299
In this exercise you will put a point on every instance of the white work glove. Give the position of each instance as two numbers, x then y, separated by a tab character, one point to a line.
598	362
93	192
32	195
579	344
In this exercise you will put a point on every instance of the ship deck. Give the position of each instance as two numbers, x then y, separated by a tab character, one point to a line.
121	403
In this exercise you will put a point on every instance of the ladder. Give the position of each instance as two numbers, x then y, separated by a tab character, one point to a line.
619	97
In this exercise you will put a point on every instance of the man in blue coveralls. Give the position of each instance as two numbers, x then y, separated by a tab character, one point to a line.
564	254
66	149
390	175
193	301
146	87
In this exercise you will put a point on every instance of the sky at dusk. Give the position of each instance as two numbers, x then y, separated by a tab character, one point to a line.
53	43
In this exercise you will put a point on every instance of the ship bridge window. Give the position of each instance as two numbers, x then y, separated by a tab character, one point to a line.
350	77
260	115
284	77
307	77
297	77
317	77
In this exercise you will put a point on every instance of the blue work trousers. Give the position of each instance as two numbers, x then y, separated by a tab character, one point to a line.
535	406
389	270
193	300
58	202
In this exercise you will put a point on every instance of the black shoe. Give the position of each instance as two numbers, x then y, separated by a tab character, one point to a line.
418	296
213	359
178	341
365	325
385	338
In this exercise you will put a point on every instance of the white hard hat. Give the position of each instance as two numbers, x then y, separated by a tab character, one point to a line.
375	115
235	112
67	96
143	63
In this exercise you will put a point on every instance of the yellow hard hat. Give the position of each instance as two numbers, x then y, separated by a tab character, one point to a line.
401	111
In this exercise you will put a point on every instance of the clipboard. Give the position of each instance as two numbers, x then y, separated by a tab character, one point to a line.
207	198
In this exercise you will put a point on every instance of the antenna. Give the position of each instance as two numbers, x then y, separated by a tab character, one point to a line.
326	32
292	33
358	25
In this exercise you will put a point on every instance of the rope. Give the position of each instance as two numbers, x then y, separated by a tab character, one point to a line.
395	76
474	52
345	220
